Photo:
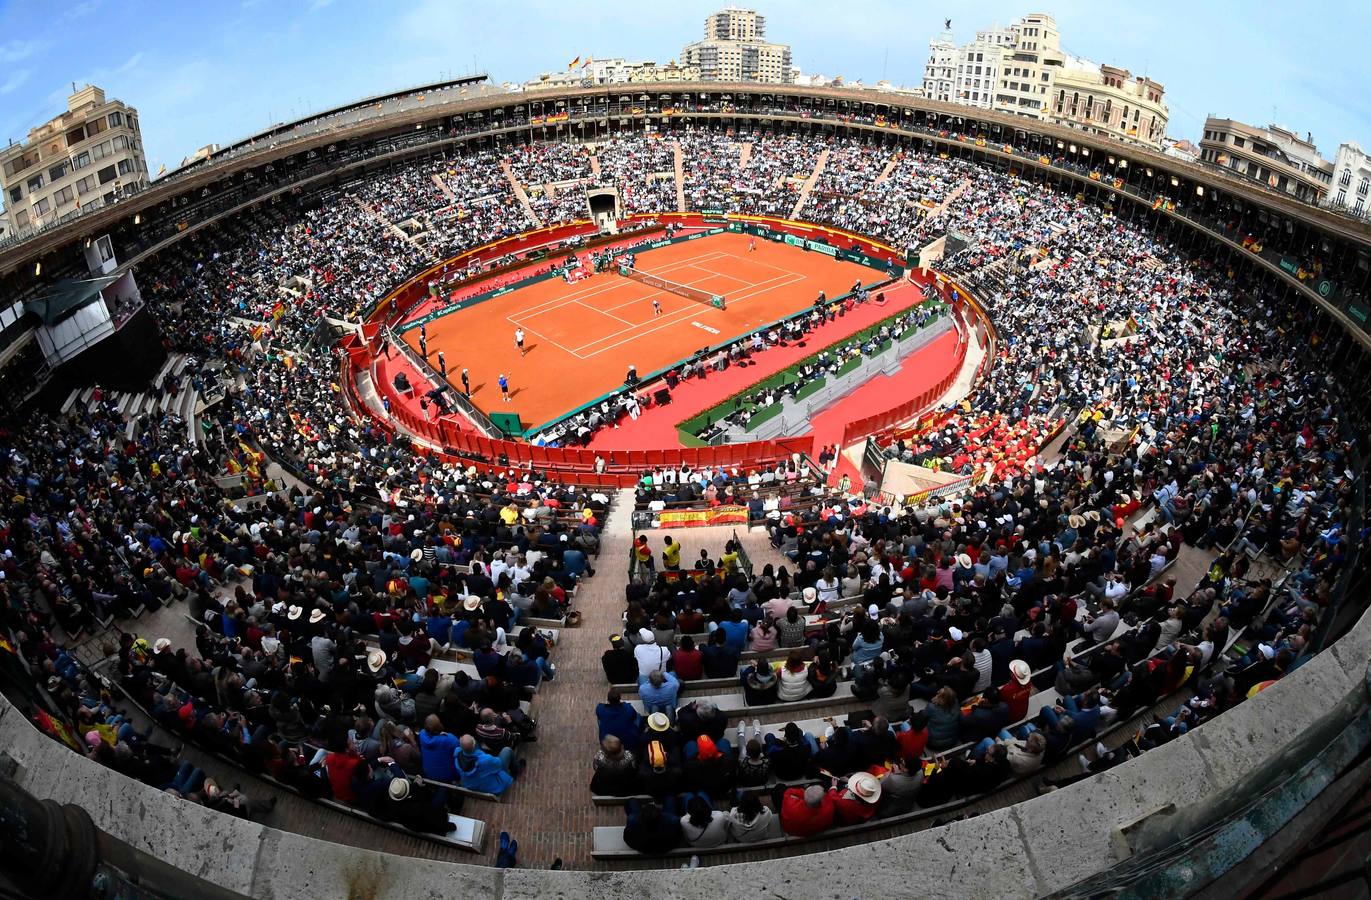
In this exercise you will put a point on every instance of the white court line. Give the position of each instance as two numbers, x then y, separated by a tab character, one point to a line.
575	297
757	262
583	293
604	313
675	319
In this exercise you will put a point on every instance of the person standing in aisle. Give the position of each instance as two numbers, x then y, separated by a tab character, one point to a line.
466	383
442	365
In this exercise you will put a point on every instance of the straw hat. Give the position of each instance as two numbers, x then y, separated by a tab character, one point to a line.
211	788
471	603
964	560
1020	670
376	659
658	722
316	616
1075	521
398	789
294	613
161	645
810	596
865	787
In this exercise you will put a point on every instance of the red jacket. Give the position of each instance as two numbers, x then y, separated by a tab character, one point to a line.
341	768
848	810
689	666
801	820
1016	695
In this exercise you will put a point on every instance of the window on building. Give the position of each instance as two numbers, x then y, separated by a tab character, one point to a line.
41	206
121	142
76	135
64	196
86	185
106	174
1239	142
82	159
58	172
35	183
125	166
116	119
21	219
1346	178
1363	187
101	150
16	193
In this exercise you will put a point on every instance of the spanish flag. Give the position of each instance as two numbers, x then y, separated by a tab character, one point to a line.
589	60
573	63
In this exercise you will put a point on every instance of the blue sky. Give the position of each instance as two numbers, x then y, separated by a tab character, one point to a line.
214	72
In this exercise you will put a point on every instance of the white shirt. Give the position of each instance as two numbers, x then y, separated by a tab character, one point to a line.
651	658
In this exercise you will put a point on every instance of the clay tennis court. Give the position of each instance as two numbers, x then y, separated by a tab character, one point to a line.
580	339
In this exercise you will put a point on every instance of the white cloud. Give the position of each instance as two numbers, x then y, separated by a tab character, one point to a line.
80	10
16	80
17	51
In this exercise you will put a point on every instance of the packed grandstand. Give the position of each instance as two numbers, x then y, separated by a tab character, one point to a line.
290	600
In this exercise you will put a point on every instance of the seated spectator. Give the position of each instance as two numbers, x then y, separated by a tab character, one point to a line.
720	658
620	719
856	801
688	661
658	693
480	771
944	720
805	812
793	679
703	826
616	769
759	684
749	821
651	829
620	665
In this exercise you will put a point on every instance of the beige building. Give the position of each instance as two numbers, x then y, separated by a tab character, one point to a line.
1109	101
90	155
1028	68
735	49
1272	156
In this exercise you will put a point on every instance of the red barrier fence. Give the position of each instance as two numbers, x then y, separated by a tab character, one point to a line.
452	439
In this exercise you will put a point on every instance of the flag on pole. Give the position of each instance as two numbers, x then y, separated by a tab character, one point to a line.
589	60
573	63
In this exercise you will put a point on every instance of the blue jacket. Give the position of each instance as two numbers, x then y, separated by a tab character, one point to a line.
660	699
735	634
437	751
479	771
620	720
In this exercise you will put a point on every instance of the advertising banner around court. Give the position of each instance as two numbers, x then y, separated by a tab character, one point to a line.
821	247
691	518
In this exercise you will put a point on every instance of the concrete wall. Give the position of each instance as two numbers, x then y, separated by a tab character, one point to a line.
1034	848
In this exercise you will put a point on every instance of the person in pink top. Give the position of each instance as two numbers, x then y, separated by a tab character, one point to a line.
764	635
776	607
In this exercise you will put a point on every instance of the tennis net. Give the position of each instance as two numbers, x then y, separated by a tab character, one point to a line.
684	290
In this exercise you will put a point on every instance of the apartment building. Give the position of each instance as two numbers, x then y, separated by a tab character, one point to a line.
90	155
735	49
1029	67
969	74
1350	188
1273	156
1108	100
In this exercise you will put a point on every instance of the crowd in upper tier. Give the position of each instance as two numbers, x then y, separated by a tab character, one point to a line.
331	614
